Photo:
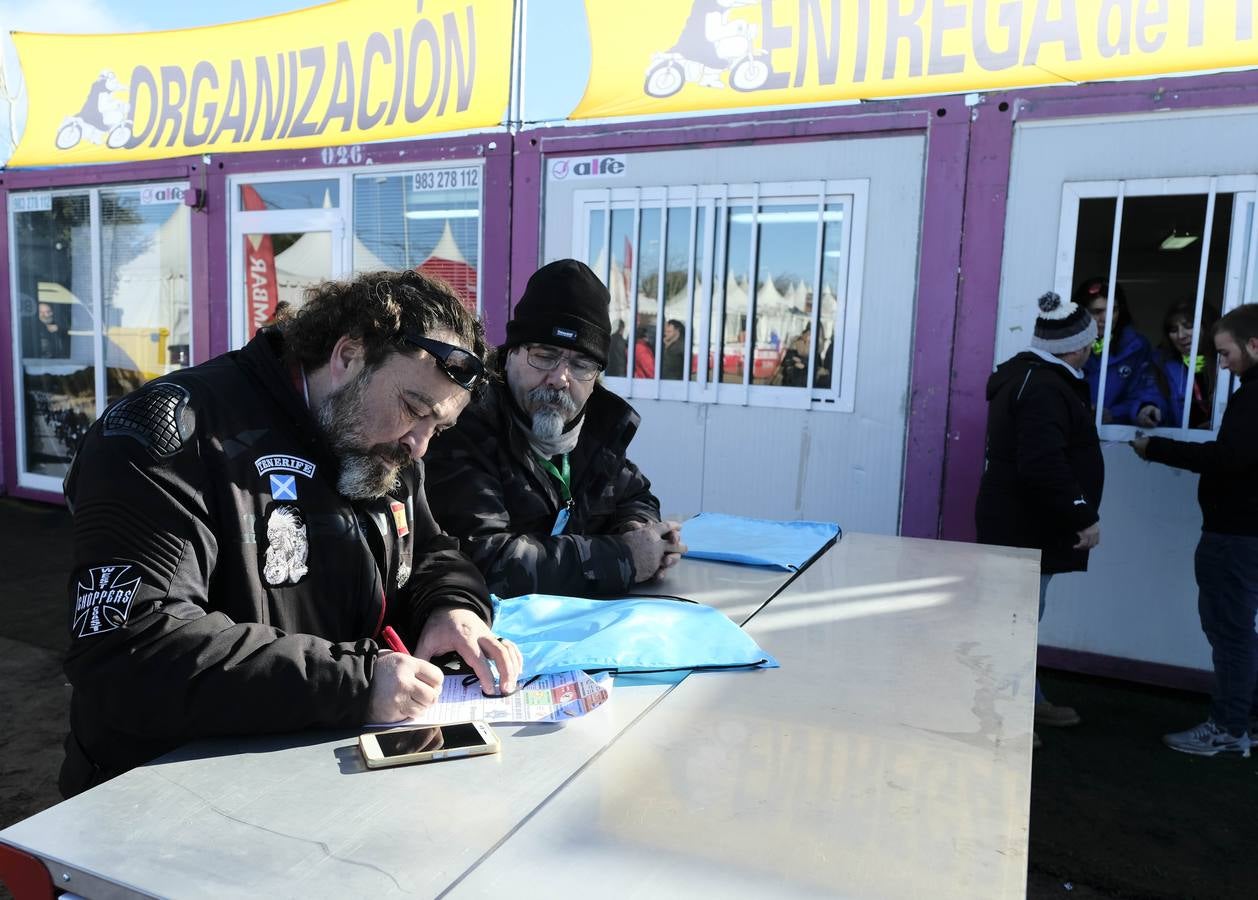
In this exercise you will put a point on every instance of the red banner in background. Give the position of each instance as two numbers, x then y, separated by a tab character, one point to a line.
261	290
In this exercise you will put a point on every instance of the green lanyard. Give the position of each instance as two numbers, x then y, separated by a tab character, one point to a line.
564	475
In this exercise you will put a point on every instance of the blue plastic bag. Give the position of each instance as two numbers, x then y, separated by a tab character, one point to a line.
756	542
639	634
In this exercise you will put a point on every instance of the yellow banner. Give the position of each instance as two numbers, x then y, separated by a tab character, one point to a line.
667	56
341	73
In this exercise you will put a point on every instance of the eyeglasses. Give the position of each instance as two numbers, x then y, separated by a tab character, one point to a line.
462	367
547	360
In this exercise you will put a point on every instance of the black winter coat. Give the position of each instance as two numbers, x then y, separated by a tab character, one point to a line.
487	489
1228	490
1044	473
178	631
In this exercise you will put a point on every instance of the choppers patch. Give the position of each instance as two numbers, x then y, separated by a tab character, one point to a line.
104	603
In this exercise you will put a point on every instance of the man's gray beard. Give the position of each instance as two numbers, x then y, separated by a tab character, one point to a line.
551	410
363	475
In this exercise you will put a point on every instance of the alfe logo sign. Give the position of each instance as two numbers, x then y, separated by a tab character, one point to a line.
594	167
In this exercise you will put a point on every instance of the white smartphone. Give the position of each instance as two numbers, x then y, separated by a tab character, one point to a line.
426	743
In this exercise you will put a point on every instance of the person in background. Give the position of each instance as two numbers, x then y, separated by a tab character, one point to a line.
1127	387
1172	360
244	529
673	355
54	341
1043	475
643	354
535	481
617	352
794	365
1226	561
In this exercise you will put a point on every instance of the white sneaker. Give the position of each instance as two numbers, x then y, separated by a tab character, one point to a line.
1208	739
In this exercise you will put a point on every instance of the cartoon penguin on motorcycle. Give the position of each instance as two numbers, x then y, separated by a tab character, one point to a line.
105	118
711	44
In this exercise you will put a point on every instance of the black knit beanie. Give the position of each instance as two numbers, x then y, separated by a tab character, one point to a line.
565	305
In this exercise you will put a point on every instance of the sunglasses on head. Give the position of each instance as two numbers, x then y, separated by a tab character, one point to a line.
462	367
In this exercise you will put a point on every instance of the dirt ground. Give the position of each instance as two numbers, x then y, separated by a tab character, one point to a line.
1113	812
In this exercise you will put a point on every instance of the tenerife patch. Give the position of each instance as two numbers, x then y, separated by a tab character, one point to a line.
284	463
104	603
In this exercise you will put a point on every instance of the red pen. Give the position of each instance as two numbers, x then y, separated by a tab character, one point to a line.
391	638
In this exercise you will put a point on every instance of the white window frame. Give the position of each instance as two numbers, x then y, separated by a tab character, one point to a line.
707	259
338	219
1239	279
51	483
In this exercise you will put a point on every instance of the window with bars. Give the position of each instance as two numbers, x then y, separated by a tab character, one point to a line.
745	294
1157	261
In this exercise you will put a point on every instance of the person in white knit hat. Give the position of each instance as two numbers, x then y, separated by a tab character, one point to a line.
1043	473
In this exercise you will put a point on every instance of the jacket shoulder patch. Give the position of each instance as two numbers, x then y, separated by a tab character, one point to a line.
157	416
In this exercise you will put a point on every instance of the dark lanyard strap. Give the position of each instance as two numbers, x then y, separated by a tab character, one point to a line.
563	475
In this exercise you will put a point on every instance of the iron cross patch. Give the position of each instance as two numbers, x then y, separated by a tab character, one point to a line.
104	602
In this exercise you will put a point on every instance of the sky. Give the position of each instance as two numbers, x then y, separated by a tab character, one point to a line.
132	15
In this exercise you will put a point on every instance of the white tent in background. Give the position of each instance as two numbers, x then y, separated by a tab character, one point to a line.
308	261
151	290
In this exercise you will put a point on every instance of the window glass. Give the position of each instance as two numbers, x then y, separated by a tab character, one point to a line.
693	323
1156	367
704	270
737	292
279	268
644	354
53	244
785	268
323	193
619	286
830	315
676	293
427	220
147	303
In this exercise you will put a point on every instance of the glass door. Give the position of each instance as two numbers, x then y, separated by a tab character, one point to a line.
287	236
102	304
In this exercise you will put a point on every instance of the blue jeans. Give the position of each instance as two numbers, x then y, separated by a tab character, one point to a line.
1044	580
1227	583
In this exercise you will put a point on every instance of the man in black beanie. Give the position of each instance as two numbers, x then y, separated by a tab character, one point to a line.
534	481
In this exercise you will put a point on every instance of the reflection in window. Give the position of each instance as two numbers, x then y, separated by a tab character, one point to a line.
322	193
737	279
147	298
784	277
772	264
427	220
279	269
621	287
644	355
54	284
139	271
671	339
1154	347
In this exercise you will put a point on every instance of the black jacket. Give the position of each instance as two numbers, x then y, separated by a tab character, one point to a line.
177	633
487	489
1228	490
1044	473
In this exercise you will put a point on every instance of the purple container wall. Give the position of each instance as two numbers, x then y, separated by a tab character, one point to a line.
964	203
945	123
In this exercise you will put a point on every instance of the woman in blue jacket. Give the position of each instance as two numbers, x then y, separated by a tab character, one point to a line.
1171	361
1127	387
